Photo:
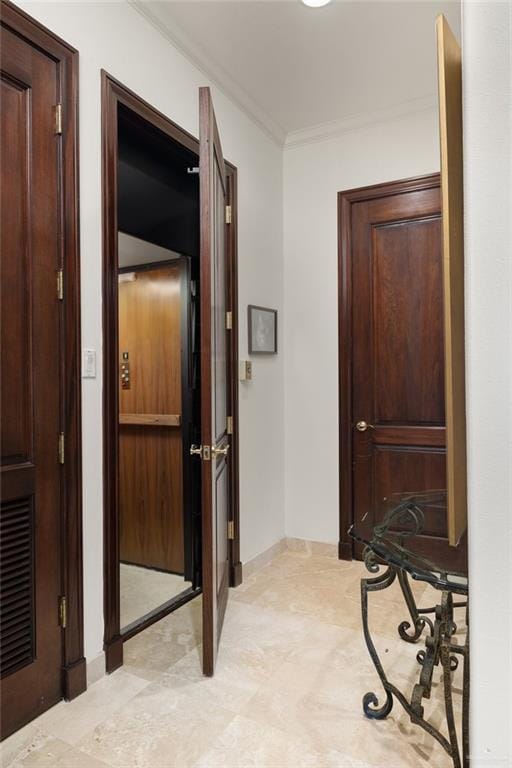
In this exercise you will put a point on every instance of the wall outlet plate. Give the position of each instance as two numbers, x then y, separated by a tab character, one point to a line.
245	370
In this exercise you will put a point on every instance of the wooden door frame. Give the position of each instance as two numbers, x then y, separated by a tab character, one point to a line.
114	93
74	679
345	201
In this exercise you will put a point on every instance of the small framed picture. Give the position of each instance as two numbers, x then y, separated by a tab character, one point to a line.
262	330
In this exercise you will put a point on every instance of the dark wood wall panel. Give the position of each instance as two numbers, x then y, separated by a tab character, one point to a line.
151	455
151	497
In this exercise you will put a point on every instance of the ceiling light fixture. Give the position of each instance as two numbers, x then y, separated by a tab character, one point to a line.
315	3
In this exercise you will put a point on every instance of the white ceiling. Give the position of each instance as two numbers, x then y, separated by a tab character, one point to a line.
294	68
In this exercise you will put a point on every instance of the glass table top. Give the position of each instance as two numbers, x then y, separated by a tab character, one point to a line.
405	516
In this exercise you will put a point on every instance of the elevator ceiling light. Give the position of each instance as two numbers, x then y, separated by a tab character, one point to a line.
316	3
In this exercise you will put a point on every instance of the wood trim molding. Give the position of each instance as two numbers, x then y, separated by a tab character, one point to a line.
345	201
113	94
113	644
151	419
66	59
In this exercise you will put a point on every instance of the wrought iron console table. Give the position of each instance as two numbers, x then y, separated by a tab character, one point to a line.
386	555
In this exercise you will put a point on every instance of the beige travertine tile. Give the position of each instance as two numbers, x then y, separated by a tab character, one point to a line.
71	720
291	673
248	744
163	644
27	738
161	727
44	751
54	753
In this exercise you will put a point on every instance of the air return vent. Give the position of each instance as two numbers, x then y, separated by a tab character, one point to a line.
17	585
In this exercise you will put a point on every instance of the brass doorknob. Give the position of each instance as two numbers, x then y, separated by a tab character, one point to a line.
196	450
220	451
362	426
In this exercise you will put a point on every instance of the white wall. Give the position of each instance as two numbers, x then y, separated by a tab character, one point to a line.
313	175
487	48
113	36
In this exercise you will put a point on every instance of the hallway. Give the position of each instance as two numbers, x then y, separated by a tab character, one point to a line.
291	674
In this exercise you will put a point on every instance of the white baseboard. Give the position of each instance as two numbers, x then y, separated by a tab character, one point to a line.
95	669
293	545
258	562
311	547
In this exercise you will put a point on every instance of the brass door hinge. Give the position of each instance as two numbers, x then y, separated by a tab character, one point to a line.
63	612
229	425
60	284
228	214
58	119
231	530
61	448
229	321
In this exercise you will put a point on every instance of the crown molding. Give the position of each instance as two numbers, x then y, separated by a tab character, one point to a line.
180	40
303	136
334	128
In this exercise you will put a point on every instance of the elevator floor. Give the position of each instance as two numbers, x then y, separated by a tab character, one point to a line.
143	589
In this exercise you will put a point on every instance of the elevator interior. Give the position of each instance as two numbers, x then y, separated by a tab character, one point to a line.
159	371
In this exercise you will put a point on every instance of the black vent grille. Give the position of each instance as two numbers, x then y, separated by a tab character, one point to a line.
17	585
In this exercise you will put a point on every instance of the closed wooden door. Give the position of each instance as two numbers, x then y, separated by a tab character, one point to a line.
30	525
150	418
214	375
396	357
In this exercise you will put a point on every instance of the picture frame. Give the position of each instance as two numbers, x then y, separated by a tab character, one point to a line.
262	328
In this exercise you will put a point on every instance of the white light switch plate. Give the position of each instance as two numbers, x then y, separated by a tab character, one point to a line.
89	363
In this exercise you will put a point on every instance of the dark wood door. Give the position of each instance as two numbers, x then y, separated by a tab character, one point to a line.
397	419
31	637
215	440
150	418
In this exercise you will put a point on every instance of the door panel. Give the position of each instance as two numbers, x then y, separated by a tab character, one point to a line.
215	441
150	415
30	554
219	308
221	530
408	323
398	469
398	361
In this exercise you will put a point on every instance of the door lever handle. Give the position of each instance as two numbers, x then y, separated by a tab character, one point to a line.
362	426
220	451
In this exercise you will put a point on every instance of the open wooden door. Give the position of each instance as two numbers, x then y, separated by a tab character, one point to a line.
214	326
449	61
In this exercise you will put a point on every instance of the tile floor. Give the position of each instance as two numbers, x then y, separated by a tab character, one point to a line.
143	589
291	673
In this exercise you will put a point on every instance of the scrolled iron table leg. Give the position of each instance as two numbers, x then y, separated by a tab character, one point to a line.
389	549
419	622
370	700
